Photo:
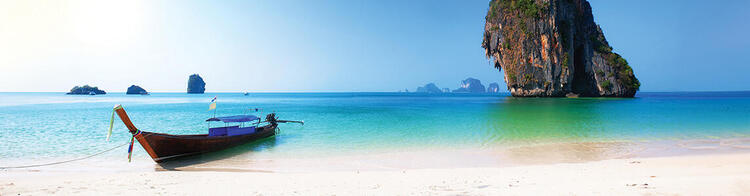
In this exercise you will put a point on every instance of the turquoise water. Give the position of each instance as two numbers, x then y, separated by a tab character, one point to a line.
38	126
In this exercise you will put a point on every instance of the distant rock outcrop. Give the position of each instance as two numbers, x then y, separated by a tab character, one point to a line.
493	88
196	84
136	90
550	48
471	85
86	90
429	88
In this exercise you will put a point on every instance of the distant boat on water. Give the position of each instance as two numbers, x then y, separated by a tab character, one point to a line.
246	93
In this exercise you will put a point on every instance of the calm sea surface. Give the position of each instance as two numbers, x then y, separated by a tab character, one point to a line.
42	126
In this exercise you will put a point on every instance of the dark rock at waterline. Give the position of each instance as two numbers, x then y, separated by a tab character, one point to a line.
136	90
429	88
550	48
196	84
86	90
471	85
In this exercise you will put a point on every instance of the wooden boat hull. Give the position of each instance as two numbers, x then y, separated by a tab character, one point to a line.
163	147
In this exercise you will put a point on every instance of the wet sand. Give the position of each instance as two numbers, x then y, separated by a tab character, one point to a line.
443	158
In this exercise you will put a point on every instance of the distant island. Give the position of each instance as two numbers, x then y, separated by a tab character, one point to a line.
554	48
196	85
136	90
429	88
493	88
86	90
470	85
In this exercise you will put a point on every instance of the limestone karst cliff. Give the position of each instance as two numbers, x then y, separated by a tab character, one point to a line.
550	48
196	85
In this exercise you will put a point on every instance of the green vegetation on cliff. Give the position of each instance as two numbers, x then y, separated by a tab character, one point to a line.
529	8
606	85
624	72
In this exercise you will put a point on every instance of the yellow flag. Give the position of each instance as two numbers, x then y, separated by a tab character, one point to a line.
212	106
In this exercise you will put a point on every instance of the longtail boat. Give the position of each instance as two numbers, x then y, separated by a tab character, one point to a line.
163	147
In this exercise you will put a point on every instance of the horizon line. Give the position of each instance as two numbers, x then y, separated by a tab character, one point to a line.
355	92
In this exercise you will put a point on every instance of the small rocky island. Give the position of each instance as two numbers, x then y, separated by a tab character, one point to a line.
196	84
429	88
471	85
493	88
136	90
86	90
553	48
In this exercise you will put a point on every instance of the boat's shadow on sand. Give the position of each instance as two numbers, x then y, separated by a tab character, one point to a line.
205	162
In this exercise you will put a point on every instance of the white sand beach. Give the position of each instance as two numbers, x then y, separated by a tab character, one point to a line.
710	174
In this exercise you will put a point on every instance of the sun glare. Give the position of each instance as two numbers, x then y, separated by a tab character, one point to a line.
107	23
29	29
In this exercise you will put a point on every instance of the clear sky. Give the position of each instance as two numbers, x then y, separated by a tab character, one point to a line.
352	45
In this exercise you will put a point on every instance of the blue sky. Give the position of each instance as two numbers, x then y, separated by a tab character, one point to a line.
686	45
282	46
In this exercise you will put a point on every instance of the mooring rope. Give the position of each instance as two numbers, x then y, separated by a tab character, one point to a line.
66	161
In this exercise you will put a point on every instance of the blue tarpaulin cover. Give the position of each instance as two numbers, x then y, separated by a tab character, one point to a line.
240	131
237	118
230	131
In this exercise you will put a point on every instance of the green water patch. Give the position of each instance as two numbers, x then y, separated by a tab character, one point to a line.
539	120
547	119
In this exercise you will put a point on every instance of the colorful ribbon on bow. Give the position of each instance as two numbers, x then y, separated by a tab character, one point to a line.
130	149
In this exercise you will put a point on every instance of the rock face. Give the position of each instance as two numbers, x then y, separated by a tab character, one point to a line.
85	90
136	90
549	48
429	88
493	88
196	84
470	85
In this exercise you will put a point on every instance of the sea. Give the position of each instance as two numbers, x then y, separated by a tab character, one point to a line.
37	128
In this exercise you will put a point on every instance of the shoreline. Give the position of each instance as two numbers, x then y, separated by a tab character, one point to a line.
713	174
241	159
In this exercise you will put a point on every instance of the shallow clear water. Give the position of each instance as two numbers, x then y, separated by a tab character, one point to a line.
39	126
